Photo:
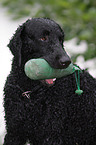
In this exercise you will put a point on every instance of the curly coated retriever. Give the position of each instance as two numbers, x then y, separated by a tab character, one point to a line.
51	114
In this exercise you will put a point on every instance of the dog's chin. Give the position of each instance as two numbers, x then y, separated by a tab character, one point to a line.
48	82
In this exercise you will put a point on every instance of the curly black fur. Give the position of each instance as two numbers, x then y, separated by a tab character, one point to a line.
52	115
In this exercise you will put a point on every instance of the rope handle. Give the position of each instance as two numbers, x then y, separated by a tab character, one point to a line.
78	91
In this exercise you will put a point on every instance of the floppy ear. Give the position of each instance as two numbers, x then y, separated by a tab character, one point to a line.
15	44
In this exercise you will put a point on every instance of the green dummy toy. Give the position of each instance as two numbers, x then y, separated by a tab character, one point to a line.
39	69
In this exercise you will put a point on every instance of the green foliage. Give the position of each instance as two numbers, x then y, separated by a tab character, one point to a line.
77	17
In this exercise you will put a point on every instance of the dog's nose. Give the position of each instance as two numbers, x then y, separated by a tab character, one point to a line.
64	62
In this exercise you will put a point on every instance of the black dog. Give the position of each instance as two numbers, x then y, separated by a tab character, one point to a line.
41	114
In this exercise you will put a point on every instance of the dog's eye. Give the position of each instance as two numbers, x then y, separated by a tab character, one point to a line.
44	38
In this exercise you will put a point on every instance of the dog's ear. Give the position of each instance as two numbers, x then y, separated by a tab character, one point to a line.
15	44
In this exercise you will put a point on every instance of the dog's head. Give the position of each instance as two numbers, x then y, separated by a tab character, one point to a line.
40	38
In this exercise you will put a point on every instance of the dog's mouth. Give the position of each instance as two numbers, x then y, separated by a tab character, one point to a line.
49	82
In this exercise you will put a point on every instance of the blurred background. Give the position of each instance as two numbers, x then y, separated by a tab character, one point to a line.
76	17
